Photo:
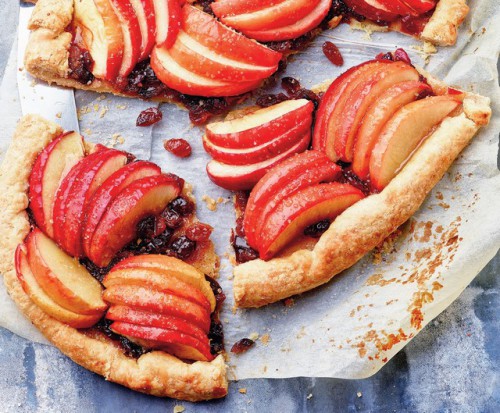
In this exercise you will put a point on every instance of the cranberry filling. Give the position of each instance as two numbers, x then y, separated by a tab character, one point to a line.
149	117
178	147
242	346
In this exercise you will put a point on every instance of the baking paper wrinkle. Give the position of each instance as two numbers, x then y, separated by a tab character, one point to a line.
353	325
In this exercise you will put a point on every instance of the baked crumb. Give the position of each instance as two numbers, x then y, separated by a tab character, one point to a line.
210	202
265	339
359	394
309	396
178	409
58	115
254	336
425	51
243	390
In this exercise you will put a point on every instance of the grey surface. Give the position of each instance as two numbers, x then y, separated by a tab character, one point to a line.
427	376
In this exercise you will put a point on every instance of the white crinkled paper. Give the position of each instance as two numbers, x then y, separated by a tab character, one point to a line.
350	327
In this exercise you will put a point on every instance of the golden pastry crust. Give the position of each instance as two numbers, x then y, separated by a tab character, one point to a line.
367	223
443	25
156	373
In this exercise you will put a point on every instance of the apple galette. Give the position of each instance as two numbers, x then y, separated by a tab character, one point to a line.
207	54
104	254
383	135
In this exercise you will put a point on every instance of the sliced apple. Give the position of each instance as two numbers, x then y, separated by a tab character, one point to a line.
168	21
397	7
350	111
295	29
146	318
281	14
199	59
372	9
301	209
144	10
181	79
175	267
376	117
180	345
420	6
403	133
284	179
99	202
62	277
235	7
147	299
118	225
132	35
51	166
270	149
211	33
244	177
157	280
102	34
256	128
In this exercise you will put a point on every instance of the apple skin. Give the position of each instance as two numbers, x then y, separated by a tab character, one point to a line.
403	133
179	78
377	116
100	200
97	167
146	318
256	128
303	208
235	7
420	6
371	9
105	47
147	299
156	280
144	10
42	300
118	226
62	277
295	29
211	33
281	14
259	153
244	177
284	179
180	345
350	111
168	21
50	167
175	268
398	7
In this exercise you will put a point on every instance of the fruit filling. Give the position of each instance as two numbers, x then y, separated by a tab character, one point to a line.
111	250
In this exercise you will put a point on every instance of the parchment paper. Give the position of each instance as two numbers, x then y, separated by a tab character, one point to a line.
353	325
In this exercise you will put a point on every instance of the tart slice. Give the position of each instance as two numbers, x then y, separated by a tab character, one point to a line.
384	134
97	254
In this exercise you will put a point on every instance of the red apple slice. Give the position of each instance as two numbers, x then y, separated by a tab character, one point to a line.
221	39
203	61
175	268
110	188
403	133
43	301
281	14
62	277
51	166
347	117
132	35
235	7
301	209
372	9
146	318
96	169
156	280
179	78
144	10
376	117
179	344
420	6
244	177
287	177
259	153
147	299
294	30
102	34
168	21
117	227
398	7
256	128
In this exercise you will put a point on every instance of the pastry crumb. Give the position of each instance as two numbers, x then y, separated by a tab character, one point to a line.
103	112
425	51
210	202
58	115
265	339
254	336
359	394
121	107
178	408
309	396
243	390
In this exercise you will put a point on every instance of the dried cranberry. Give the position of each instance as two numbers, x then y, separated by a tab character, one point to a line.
385	56
242	251
239	228
131	349
179	147
309	95
172	218
199	116
199	232
290	84
148	117
242	346
349	177
145	228
401	56
183	247
332	53
220	297
216	336
182	206
315	230
157	245
270	100
80	63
